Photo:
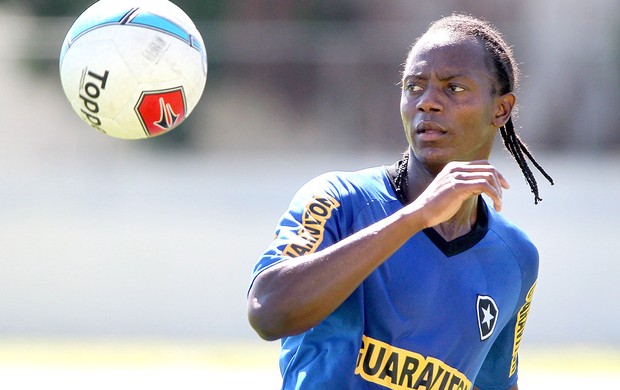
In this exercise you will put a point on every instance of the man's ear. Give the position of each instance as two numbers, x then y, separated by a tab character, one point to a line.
504	106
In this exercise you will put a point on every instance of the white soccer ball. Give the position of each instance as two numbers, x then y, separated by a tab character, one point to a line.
133	68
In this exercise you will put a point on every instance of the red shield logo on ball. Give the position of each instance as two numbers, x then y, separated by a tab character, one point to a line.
161	111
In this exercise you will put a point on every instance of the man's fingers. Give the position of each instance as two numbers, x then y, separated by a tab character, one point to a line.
475	181
479	166
457	182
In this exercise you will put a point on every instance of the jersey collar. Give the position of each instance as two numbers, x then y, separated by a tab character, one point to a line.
459	244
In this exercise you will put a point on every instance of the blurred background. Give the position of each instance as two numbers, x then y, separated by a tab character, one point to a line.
117	254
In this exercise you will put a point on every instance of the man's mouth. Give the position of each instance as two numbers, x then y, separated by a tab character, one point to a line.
429	131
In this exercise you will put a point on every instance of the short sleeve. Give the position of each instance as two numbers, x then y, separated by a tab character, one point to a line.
310	223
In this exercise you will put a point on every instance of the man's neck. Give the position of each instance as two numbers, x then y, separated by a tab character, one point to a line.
419	177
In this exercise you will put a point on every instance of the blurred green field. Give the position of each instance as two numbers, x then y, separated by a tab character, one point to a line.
164	364
141	364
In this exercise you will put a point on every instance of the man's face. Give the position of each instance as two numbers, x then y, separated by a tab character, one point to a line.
447	103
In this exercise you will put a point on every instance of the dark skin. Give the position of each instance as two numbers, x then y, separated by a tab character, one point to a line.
451	115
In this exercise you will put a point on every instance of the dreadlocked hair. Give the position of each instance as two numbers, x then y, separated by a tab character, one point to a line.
400	182
501	61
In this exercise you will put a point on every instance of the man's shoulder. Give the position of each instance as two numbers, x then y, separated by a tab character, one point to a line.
515	238
369	183
359	177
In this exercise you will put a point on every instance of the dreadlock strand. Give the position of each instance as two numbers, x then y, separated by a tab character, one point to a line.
400	182
527	152
515	148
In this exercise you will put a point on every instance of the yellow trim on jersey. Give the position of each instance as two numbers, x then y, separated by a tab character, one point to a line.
397	368
315	215
520	327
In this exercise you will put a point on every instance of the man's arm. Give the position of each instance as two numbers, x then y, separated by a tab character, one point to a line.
298	293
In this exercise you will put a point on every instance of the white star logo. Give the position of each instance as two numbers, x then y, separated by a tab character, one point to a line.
487	317
488	312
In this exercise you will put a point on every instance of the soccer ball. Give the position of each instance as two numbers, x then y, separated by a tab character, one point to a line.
133	68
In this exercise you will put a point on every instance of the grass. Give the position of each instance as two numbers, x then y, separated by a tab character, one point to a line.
136	353
164	364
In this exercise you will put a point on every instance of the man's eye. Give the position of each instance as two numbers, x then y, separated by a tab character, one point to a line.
456	88
414	88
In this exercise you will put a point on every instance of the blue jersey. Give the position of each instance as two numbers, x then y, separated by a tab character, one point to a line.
435	315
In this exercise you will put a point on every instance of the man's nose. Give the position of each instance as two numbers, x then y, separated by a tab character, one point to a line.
430	101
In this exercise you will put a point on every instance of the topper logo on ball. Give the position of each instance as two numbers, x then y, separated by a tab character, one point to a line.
161	111
92	85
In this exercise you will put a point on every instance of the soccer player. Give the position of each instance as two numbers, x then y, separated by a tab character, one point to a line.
404	276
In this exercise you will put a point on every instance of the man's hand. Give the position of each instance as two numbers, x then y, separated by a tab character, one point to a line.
457	182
